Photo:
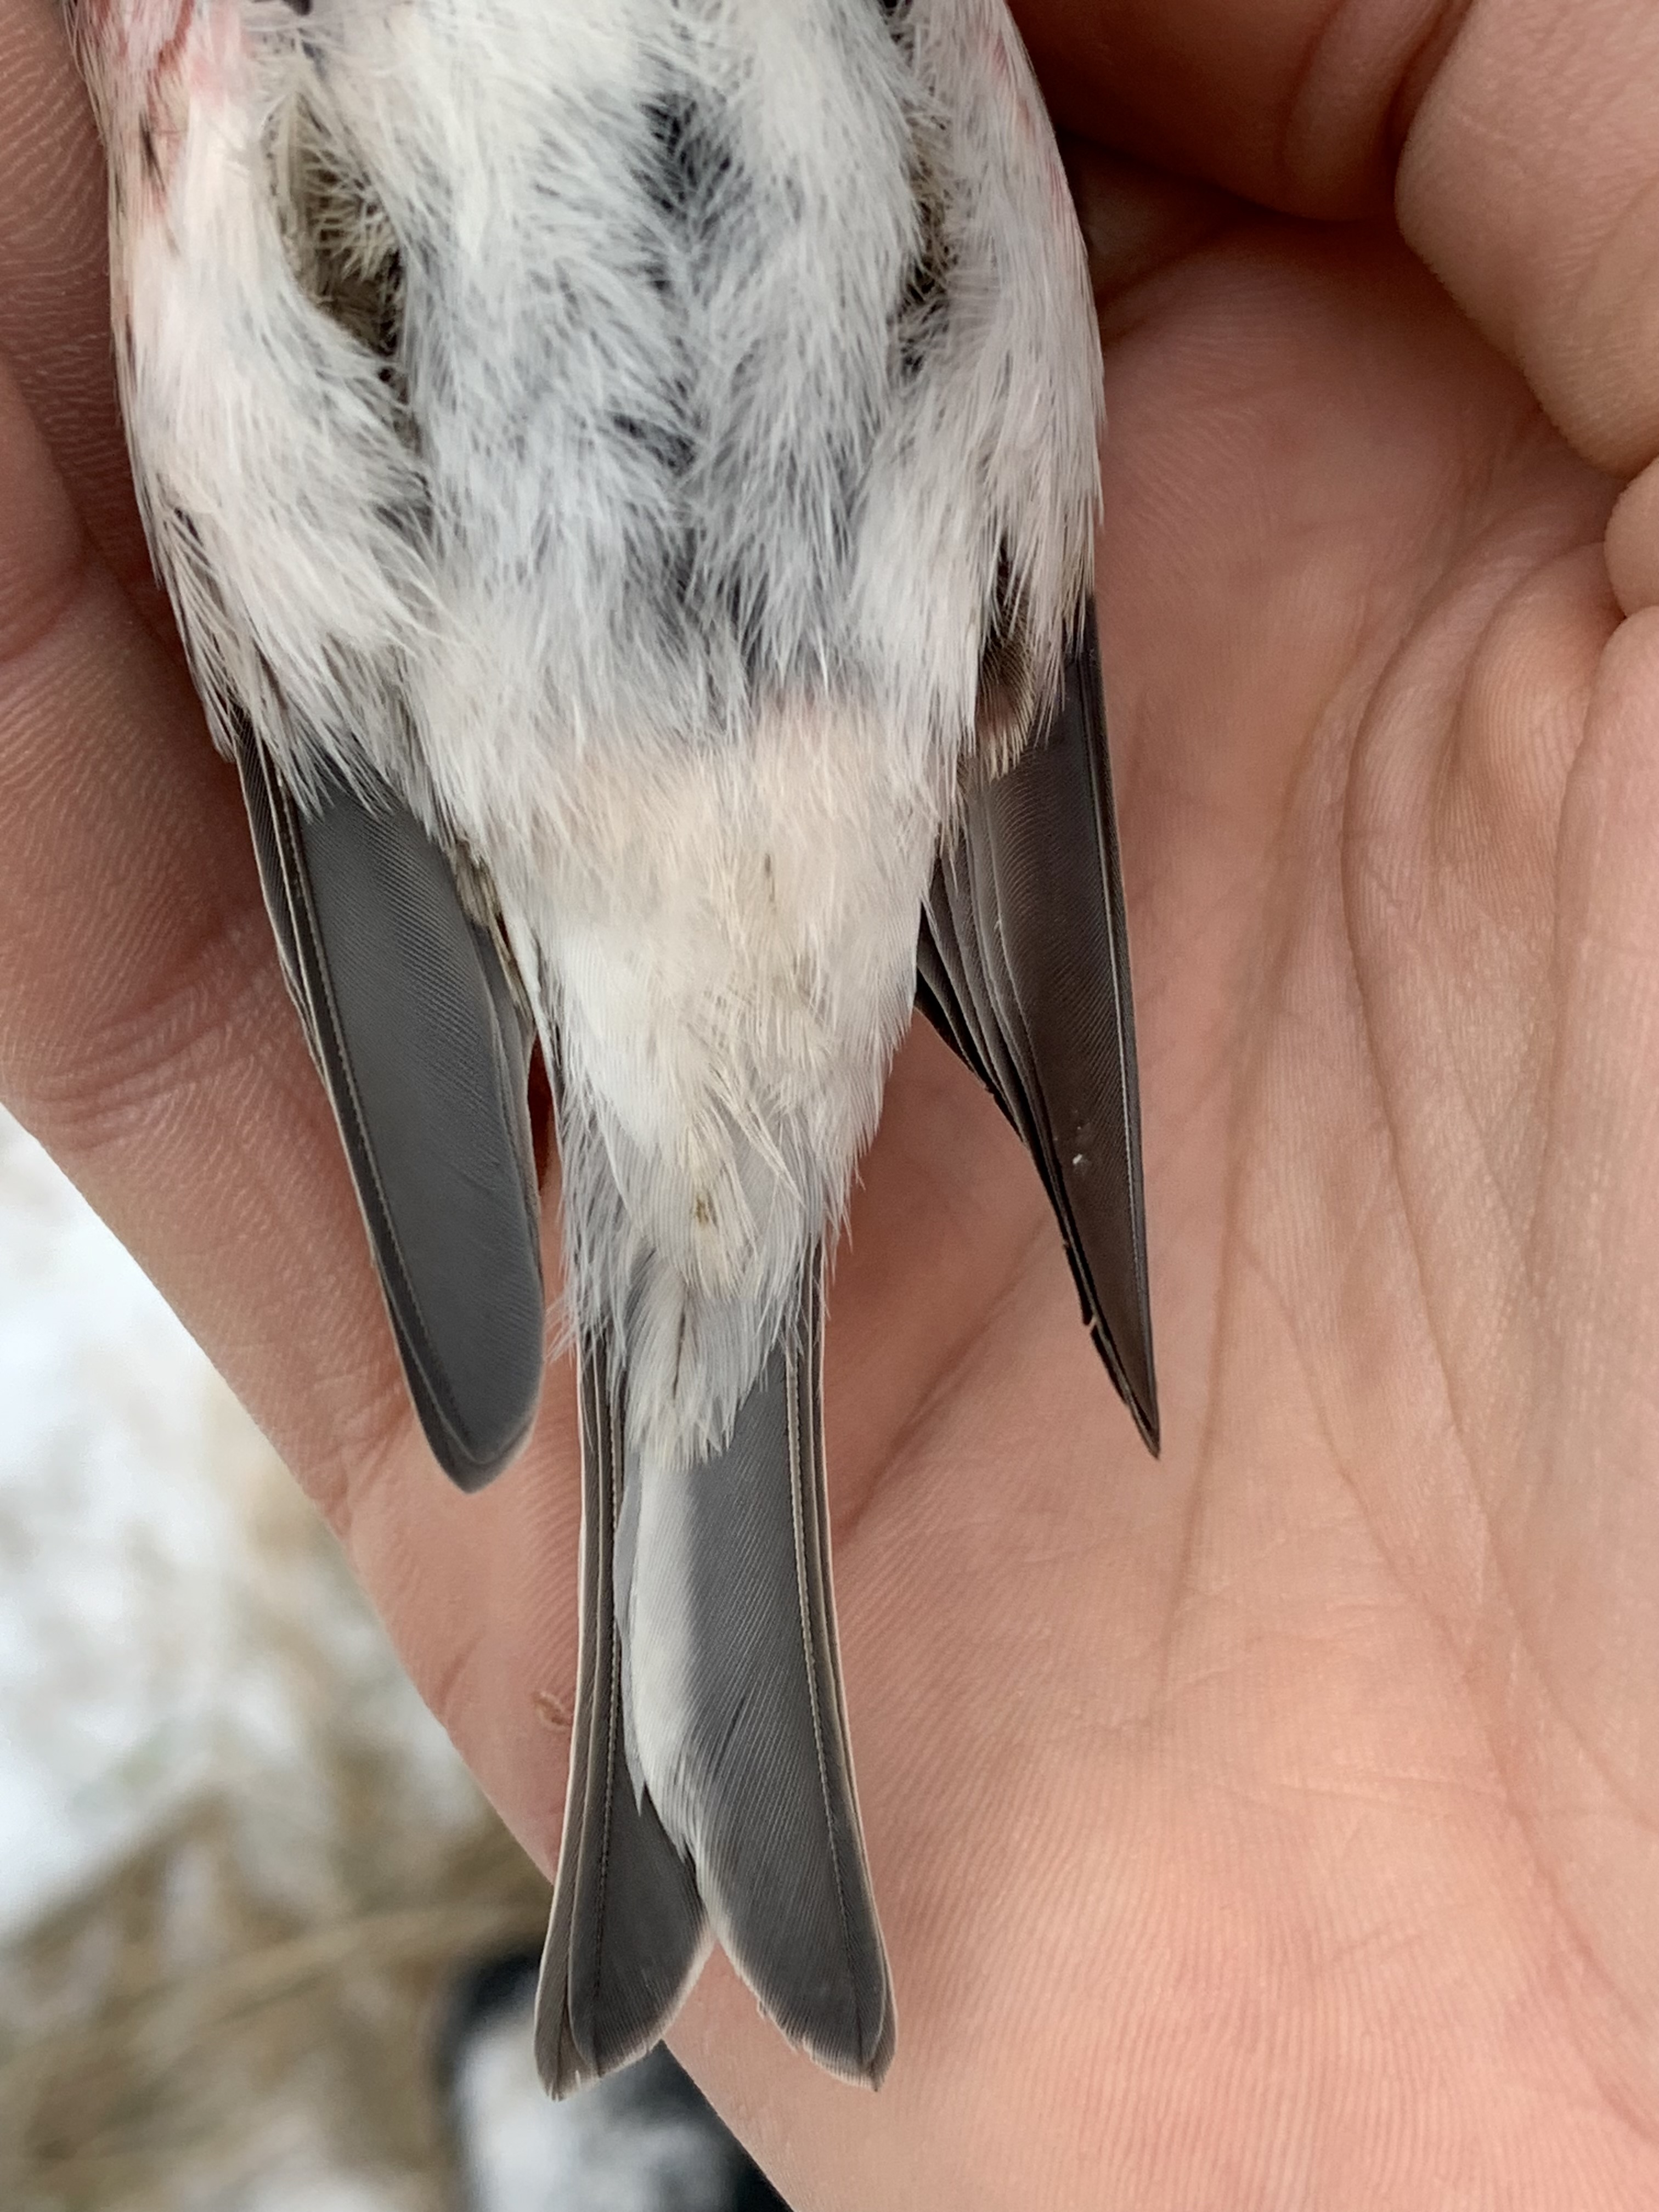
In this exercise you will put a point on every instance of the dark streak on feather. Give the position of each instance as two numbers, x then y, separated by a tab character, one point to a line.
1007	674
339	240
924	298
689	158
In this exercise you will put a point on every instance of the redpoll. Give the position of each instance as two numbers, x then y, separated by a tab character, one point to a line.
626	473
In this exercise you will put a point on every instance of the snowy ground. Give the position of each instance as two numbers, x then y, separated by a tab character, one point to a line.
148	1600
209	1762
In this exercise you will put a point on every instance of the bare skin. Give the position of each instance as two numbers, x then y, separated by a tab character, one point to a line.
1277	1825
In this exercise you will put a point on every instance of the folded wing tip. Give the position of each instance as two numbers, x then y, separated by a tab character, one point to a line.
1135	1384
879	2057
1145	1416
476	1423
474	1468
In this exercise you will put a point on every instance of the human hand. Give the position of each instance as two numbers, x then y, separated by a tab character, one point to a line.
1278	1824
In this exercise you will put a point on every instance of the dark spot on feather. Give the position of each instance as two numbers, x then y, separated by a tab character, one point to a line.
897	16
690	154
924	298
924	295
1007	677
667	443
339	239
147	150
712	448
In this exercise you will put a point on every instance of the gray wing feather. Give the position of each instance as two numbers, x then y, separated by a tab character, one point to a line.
411	1018
1024	966
732	1568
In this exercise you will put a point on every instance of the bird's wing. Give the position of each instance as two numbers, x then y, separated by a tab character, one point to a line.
413	1022
728	1564
1023	967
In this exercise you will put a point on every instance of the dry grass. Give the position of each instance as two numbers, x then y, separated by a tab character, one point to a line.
141	2083
232	2001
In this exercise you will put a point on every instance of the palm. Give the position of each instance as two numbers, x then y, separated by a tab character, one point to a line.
1277	1823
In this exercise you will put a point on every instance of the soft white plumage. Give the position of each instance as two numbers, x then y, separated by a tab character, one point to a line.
660	575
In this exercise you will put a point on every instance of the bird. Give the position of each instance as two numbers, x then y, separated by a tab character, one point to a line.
626	473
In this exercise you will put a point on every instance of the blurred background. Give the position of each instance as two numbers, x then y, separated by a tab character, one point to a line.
263	1946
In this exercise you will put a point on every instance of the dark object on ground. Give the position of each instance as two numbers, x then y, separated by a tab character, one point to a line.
644	2140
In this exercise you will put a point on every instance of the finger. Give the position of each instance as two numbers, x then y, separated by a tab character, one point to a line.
54	285
1530	183
1526	172
1294	103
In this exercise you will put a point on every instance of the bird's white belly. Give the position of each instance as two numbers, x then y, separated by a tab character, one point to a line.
726	943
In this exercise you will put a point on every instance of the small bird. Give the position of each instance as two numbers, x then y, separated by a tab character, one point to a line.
626	473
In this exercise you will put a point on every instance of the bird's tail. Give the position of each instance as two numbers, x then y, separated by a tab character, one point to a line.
711	1781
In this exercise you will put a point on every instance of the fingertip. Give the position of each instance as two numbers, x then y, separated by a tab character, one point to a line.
1632	543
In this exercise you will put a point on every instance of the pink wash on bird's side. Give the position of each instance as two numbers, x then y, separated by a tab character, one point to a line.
151	61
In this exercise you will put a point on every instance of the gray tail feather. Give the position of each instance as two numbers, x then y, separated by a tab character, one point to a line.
628	1930
738	1547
